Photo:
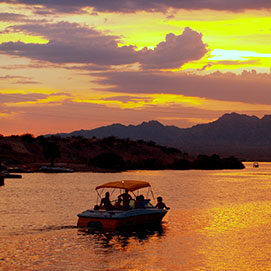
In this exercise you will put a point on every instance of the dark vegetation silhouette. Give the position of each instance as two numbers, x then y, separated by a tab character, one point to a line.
109	160
107	154
51	152
215	162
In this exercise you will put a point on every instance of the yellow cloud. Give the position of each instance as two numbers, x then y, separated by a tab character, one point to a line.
141	101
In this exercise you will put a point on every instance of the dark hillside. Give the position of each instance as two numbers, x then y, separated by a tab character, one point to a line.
92	154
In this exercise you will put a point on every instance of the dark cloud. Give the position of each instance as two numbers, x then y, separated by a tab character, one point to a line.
206	67
10	77
230	62
24	80
129	6
248	87
7	100
61	6
88	67
162	5
71	53
17	18
33	65
126	98
72	43
12	17
18	97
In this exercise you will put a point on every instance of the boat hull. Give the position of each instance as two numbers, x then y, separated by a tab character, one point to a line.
119	220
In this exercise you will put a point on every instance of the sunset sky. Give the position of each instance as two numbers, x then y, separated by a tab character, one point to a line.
67	65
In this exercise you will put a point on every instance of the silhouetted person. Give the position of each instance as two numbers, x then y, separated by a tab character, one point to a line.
118	204
126	200
106	203
137	202
140	202
160	204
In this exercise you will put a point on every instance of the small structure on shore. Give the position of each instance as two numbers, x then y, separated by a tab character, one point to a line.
2	179
4	174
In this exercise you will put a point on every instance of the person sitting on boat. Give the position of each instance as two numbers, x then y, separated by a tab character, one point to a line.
138	202
160	204
141	202
126	200
106	203
117	205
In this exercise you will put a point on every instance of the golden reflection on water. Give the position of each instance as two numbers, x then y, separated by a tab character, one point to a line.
215	239
219	221
238	217
237	238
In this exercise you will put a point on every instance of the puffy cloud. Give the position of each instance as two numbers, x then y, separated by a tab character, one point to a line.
248	87
129	6
72	43
175	51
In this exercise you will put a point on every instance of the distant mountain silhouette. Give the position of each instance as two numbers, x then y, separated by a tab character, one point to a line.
148	131
247	137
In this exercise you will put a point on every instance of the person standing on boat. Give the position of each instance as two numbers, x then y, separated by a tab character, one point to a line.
106	203
126	200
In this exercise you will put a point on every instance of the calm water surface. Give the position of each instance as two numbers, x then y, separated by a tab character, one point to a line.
219	220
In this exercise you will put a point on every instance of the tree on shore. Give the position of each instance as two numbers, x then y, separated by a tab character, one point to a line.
51	152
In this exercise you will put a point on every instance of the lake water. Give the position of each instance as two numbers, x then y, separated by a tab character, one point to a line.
219	220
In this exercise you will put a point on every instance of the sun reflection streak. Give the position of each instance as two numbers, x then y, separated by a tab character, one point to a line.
235	236
239	216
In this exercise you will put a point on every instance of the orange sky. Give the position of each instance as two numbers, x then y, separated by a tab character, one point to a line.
69	65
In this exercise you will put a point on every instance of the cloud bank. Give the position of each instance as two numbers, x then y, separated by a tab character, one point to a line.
72	43
248	87
131	6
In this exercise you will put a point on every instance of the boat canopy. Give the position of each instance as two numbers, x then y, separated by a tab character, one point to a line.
129	185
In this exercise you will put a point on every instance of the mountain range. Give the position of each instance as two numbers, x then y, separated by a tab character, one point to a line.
246	137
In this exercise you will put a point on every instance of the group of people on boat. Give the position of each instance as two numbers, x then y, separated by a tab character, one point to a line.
123	202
